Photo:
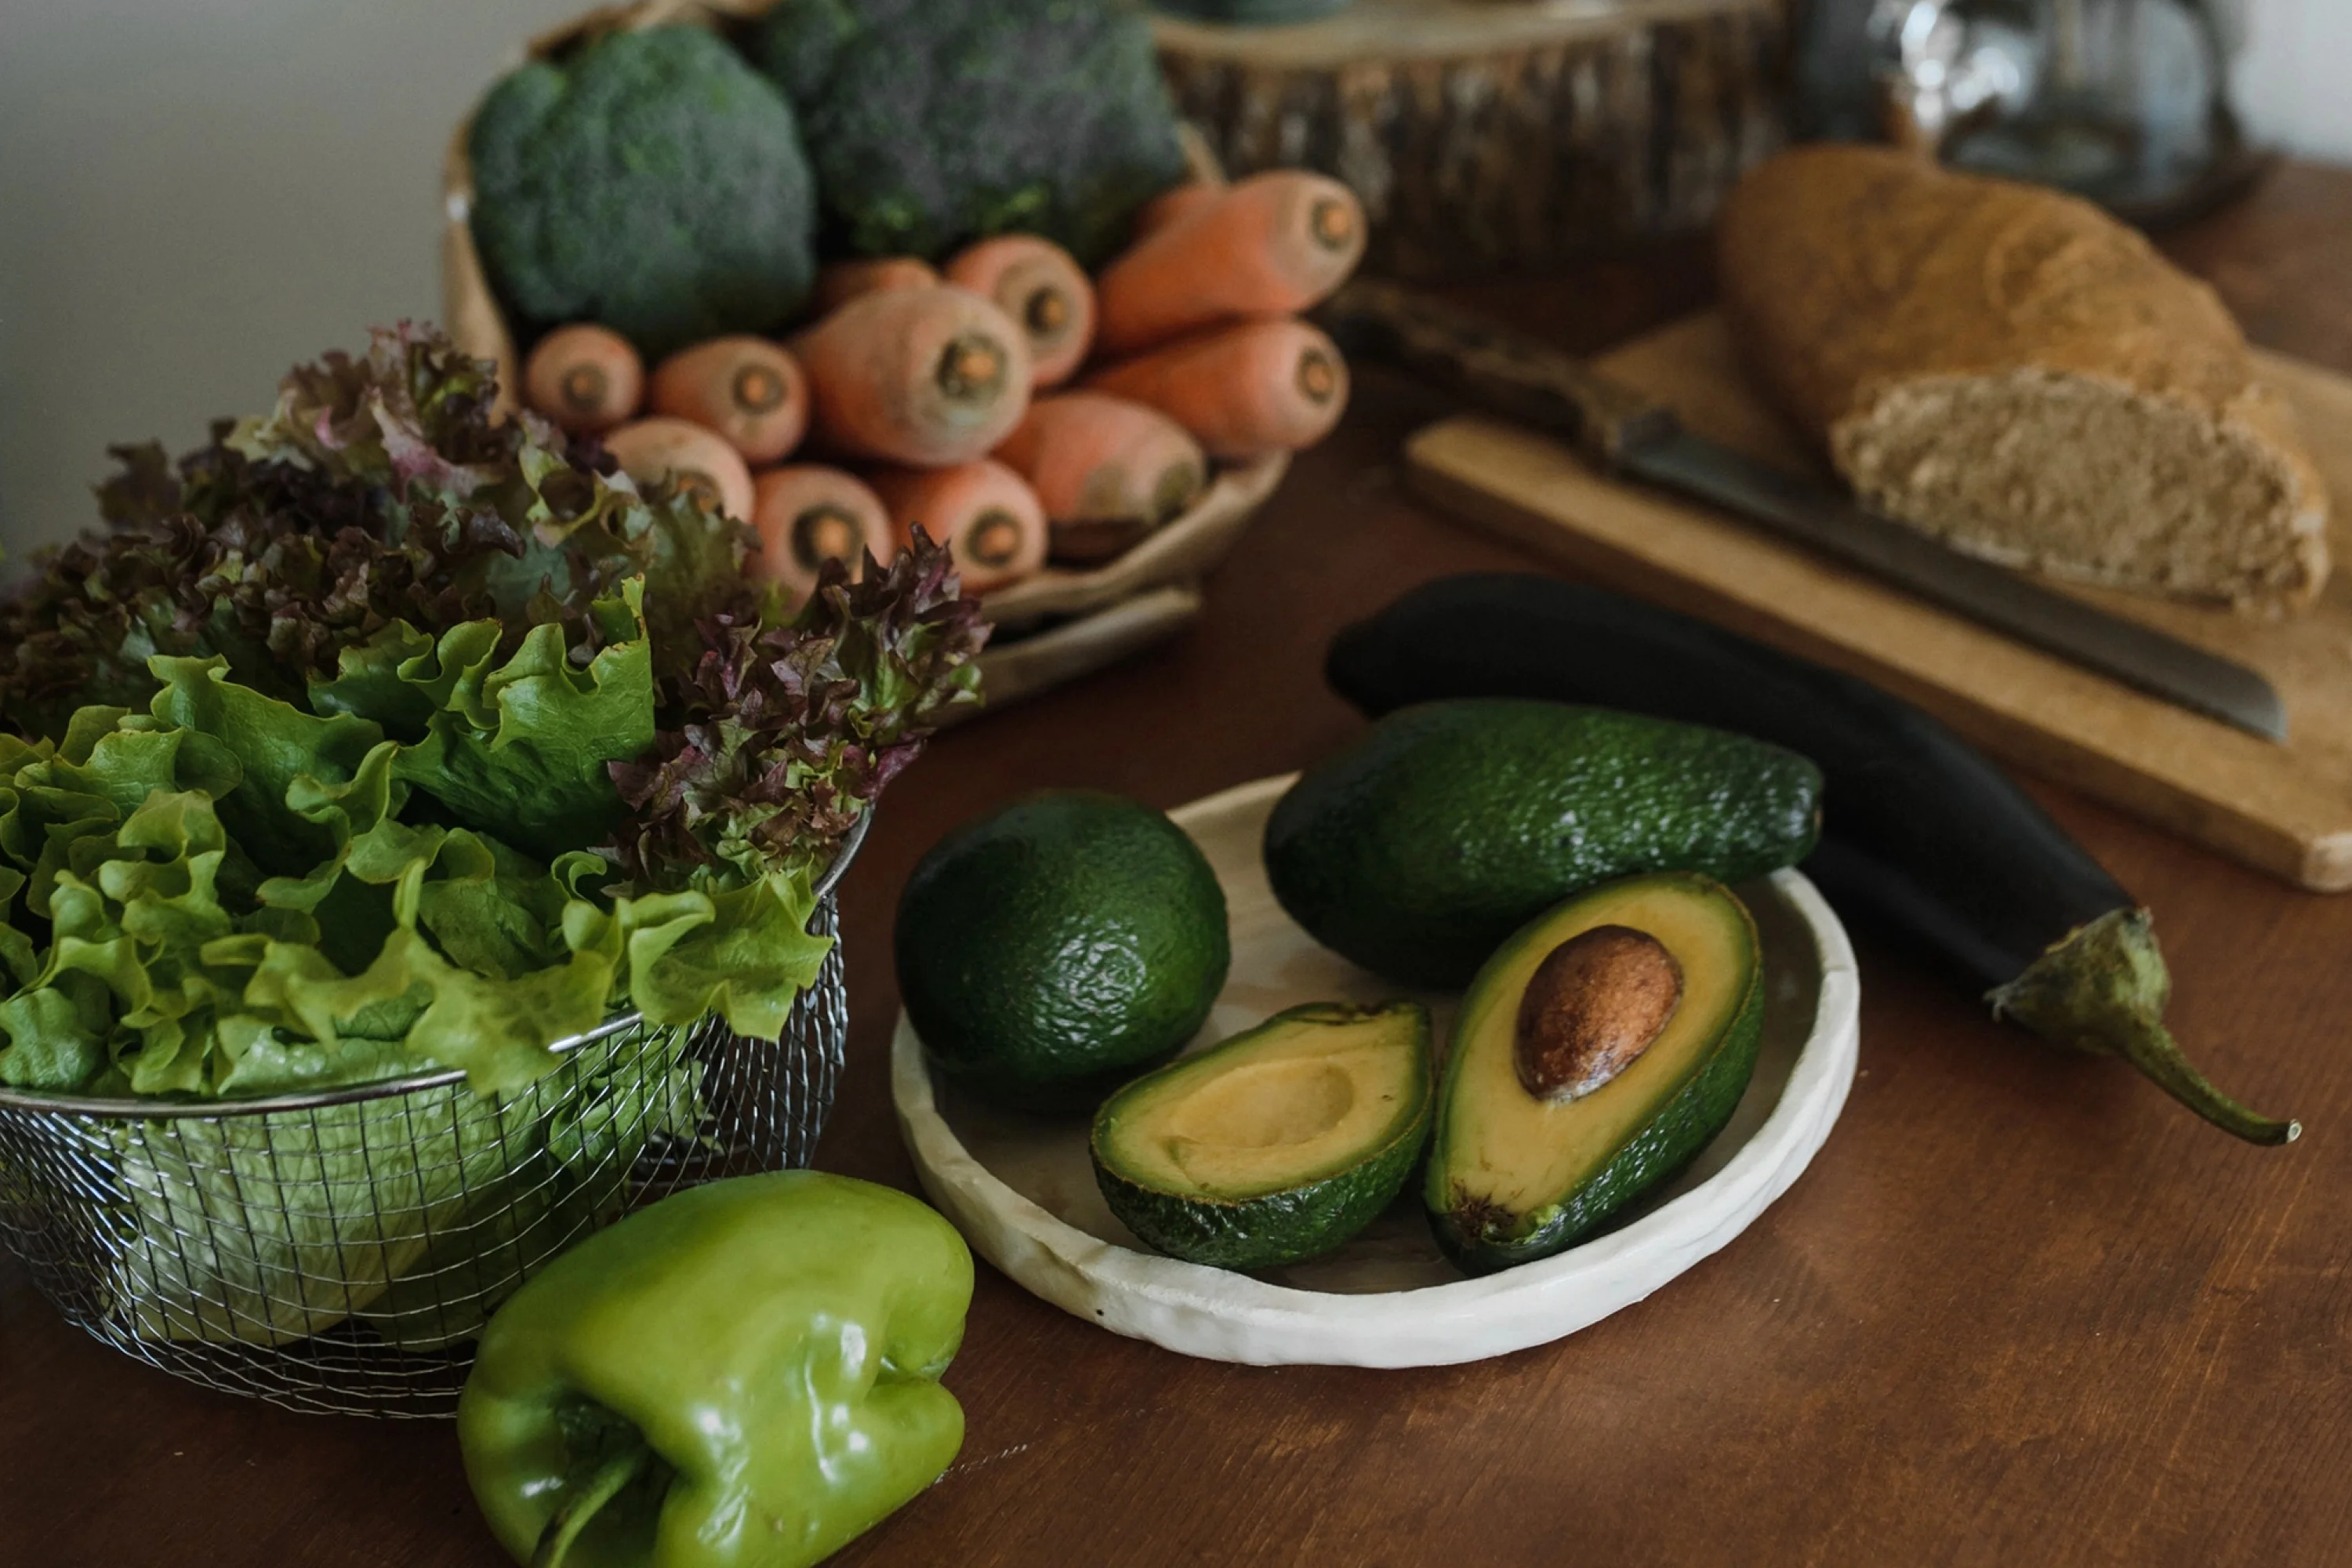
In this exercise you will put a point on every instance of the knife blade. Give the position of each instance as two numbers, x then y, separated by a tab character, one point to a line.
1628	433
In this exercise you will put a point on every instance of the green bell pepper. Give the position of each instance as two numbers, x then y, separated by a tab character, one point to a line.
744	1376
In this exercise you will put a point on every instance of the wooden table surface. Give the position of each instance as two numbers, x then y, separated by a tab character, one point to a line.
2021	1310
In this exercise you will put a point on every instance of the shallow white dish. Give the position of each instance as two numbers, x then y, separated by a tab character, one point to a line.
1023	1191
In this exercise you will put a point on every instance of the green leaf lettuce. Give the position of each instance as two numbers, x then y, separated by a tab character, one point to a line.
228	895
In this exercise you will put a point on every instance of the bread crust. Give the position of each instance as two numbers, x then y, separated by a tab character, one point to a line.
1848	272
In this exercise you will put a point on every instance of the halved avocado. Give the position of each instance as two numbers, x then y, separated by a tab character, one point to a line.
1515	1174
1276	1145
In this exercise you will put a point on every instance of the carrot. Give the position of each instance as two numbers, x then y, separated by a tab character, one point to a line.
808	514
928	376
1274	244
1107	471
1039	285
984	512
1173	205
587	378
651	451
747	389
839	282
1242	390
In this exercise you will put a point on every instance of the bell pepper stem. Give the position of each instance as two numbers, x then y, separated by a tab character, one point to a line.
623	1465
2102	988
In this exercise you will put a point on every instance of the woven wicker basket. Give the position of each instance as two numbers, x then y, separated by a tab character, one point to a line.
1051	627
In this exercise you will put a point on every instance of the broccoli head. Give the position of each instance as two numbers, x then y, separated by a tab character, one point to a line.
653	182
934	123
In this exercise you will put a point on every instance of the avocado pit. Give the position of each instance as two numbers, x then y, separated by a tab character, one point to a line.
1592	1006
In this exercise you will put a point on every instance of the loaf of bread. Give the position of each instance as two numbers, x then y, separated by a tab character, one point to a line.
2016	373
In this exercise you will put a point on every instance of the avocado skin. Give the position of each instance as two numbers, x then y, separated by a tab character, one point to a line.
1668	1142
1049	951
1288	1226
1417	851
1266	1232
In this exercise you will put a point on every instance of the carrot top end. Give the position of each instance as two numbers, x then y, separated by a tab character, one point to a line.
758	389
972	367
1333	223
1318	377
584	386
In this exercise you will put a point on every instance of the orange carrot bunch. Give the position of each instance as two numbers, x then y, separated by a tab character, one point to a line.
1197	319
1274	244
927	395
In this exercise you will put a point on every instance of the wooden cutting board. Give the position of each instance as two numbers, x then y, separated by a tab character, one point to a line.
2283	809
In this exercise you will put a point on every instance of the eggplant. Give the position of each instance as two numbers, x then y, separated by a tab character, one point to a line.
1921	832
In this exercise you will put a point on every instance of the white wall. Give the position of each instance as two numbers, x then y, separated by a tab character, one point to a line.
196	193
2293	82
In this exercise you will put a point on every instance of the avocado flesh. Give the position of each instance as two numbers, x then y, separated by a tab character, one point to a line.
1512	1177
1276	1145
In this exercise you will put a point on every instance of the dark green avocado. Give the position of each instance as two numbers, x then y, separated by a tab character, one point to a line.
1051	950
1276	1145
1530	1154
1417	850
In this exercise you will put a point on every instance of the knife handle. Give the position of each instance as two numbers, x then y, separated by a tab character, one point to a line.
1470	357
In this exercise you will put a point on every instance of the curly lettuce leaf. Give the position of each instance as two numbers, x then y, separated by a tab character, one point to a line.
415	409
779	738
526	744
322	550
745	953
327	720
227	895
272	745
151	981
380	491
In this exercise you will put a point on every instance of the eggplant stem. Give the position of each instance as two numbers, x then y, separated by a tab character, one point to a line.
605	1483
2102	988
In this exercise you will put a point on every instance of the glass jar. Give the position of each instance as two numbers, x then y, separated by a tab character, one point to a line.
2124	101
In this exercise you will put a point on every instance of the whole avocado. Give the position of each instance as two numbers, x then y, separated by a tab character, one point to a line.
1053	949
654	182
1417	851
936	123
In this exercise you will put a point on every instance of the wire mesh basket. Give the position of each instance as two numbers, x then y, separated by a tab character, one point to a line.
339	1251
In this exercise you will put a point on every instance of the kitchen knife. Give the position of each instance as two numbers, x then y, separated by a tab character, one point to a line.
1627	433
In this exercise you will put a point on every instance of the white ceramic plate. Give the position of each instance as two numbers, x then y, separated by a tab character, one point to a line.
1023	1191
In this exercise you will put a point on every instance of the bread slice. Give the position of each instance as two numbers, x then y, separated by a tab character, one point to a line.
2016	373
